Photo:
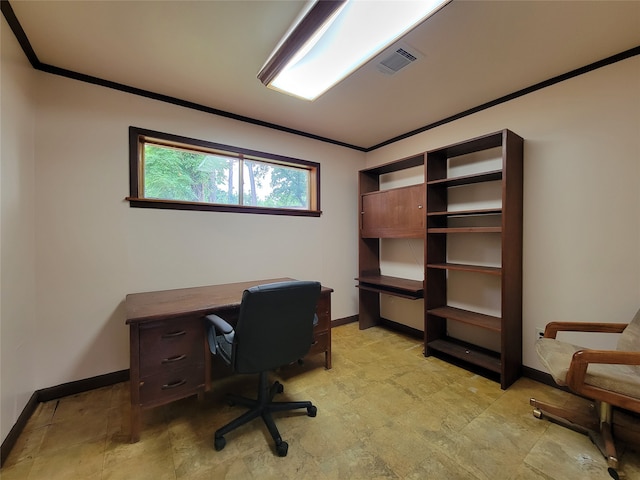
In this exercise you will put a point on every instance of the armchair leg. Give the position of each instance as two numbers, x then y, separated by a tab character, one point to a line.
604	441
608	448
593	423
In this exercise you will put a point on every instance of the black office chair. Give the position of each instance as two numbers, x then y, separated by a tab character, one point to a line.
274	328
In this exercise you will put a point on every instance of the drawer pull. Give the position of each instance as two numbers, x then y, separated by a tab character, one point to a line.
179	383
177	333
176	358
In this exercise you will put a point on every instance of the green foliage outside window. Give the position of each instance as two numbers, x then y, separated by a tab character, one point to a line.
183	175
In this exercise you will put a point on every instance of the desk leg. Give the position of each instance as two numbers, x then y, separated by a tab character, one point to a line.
134	382
135	423
327	353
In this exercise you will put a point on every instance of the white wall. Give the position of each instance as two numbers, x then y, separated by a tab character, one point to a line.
17	231
581	195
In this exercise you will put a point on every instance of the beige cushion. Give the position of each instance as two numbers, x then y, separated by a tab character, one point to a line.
625	379
556	357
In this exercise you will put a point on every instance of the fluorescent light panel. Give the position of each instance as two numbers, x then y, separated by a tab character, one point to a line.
332	39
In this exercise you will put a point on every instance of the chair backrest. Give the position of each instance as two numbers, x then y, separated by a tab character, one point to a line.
629	340
275	325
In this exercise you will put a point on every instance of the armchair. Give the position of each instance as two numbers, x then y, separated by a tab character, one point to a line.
610	378
274	328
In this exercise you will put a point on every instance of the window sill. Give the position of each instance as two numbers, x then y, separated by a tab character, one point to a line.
210	207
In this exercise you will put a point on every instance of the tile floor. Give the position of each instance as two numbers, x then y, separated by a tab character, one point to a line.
384	412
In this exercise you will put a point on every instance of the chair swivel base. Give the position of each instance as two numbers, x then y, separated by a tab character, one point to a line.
587	423
262	407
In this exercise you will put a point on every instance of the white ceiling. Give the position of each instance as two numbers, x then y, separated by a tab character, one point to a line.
209	53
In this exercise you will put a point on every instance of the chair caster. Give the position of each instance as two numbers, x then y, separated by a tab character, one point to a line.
312	411
275	389
282	448
536	411
219	443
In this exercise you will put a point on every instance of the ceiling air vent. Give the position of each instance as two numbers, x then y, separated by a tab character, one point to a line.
398	59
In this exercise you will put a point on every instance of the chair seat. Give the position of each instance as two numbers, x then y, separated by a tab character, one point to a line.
556	357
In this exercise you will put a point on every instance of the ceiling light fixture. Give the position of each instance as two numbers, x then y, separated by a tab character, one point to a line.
331	39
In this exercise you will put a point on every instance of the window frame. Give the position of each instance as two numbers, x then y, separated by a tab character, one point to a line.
139	136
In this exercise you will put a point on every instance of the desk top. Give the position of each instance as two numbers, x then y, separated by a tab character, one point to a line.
164	304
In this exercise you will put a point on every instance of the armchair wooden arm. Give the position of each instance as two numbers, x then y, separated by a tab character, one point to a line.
552	329
578	370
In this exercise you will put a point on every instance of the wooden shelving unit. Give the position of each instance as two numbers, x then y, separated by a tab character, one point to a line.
440	220
433	211
392	213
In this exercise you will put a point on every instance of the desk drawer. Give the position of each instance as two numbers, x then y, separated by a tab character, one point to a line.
171	345
165	386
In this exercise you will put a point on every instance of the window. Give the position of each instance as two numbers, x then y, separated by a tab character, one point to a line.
169	171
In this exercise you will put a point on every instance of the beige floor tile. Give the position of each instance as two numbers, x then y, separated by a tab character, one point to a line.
155	441
27	446
79	461
42	416
527	472
154	466
84	428
16	471
436	465
561	453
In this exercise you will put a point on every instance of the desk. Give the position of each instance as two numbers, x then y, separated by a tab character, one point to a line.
168	342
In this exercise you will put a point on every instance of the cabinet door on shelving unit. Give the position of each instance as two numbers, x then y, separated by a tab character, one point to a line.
394	213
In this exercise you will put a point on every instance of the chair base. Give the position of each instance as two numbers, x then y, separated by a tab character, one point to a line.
591	422
262	407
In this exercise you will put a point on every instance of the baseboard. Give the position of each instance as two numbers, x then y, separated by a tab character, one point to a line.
343	321
399	327
390	324
53	393
79	386
11	439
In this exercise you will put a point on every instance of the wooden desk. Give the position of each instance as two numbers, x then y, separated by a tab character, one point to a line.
168	341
